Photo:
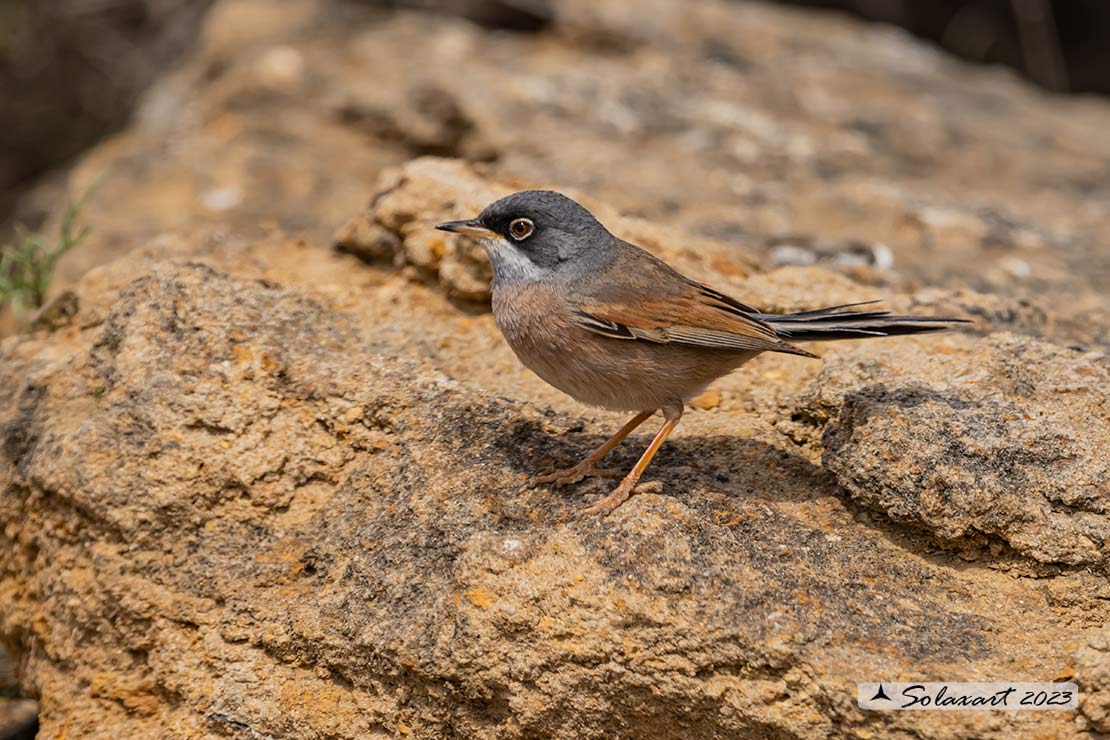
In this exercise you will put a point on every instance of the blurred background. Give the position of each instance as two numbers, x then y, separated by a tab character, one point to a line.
1058	44
71	71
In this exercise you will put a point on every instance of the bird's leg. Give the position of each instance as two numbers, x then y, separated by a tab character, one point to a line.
631	483
589	465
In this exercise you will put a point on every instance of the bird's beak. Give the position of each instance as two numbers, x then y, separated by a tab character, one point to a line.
470	228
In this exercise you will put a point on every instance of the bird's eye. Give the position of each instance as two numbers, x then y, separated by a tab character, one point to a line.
521	228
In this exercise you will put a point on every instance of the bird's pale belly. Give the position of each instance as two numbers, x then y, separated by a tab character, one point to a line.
619	374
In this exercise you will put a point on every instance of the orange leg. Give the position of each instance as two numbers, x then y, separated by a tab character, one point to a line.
631	483
589	465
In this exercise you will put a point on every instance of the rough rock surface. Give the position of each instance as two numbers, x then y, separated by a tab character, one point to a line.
263	510
1007	438
1093	661
256	487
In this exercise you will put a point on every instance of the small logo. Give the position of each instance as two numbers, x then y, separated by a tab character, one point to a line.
956	696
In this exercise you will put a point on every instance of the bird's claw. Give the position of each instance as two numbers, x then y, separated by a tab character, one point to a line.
619	495
575	474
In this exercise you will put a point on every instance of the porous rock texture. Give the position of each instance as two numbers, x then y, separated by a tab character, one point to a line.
256	487
1007	439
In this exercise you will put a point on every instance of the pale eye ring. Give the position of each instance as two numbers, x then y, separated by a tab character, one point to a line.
521	228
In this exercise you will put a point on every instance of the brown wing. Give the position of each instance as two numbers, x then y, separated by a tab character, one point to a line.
643	298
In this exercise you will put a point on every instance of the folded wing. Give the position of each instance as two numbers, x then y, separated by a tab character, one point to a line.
664	307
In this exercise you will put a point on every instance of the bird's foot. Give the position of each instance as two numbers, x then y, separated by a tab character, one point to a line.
619	495
584	469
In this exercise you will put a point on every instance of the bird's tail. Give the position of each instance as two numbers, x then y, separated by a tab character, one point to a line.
835	323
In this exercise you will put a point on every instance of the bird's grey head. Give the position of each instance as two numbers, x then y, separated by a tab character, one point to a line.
536	234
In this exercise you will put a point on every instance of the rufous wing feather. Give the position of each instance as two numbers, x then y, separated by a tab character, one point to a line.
690	314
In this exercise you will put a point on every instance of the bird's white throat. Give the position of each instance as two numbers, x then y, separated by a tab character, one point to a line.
509	263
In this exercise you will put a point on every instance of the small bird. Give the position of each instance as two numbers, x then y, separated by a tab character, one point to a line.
611	325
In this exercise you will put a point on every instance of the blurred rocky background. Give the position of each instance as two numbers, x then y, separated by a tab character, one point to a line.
1059	44
264	457
71	71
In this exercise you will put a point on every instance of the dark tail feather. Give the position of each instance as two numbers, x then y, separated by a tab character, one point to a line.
833	323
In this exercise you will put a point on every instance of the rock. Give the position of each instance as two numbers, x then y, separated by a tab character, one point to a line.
853	254
261	508
55	102
1092	661
18	719
514	15
1002	437
709	399
400	224
410	201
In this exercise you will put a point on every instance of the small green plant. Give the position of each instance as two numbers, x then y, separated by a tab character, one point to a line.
27	266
